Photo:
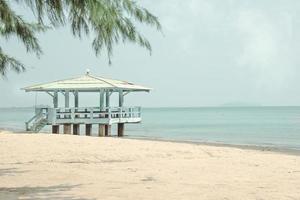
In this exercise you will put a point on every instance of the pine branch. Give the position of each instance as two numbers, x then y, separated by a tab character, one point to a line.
8	63
109	21
12	24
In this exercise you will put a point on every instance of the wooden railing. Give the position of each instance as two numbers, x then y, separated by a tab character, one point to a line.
92	114
38	120
83	115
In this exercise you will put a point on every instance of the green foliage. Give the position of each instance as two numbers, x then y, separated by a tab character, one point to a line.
109	21
7	62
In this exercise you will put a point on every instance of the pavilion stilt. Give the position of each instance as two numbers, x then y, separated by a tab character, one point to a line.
88	129
101	130
107	130
67	128
120	129
76	129
55	129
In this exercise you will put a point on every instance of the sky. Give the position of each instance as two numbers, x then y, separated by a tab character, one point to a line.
210	53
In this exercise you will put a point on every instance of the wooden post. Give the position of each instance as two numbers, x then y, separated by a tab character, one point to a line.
101	103
107	126
102	100
88	129
101	130
67	127
76	105
120	129
67	99
121	125
121	98
55	99
107	98
55	128
76	129
76	101
107	130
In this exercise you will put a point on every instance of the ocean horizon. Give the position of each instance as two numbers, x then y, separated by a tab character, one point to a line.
271	126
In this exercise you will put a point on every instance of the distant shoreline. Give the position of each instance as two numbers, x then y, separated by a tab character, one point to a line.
265	148
178	107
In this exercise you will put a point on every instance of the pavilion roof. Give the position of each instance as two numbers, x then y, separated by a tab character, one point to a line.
88	83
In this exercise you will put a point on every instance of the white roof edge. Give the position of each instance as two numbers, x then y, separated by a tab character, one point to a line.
88	83
85	90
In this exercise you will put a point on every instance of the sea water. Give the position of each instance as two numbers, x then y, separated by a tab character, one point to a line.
262	126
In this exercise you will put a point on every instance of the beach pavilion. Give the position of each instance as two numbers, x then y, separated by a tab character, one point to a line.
104	114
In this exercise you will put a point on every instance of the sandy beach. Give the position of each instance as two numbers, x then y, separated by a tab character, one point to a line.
45	166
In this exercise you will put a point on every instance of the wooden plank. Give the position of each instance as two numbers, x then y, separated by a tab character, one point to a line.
82	121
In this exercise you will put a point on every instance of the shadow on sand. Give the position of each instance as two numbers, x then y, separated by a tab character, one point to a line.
11	171
58	192
48	192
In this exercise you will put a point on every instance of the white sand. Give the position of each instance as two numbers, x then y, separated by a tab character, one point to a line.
44	166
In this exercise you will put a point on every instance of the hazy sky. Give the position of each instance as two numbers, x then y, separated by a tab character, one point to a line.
211	52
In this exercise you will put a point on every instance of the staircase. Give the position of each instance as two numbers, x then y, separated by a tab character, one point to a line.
36	123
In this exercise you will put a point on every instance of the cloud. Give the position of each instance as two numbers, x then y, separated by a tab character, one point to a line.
256	42
265	46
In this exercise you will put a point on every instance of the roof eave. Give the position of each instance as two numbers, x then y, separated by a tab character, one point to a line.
83	90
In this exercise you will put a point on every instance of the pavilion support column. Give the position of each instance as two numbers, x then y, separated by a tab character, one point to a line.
107	95
67	99
107	126
76	102
107	130
88	129
67	126
101	130
55	99
101	102
55	128
121	98
121	125
120	129
67	129
76	129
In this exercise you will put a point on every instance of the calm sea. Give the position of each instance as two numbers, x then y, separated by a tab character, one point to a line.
263	126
